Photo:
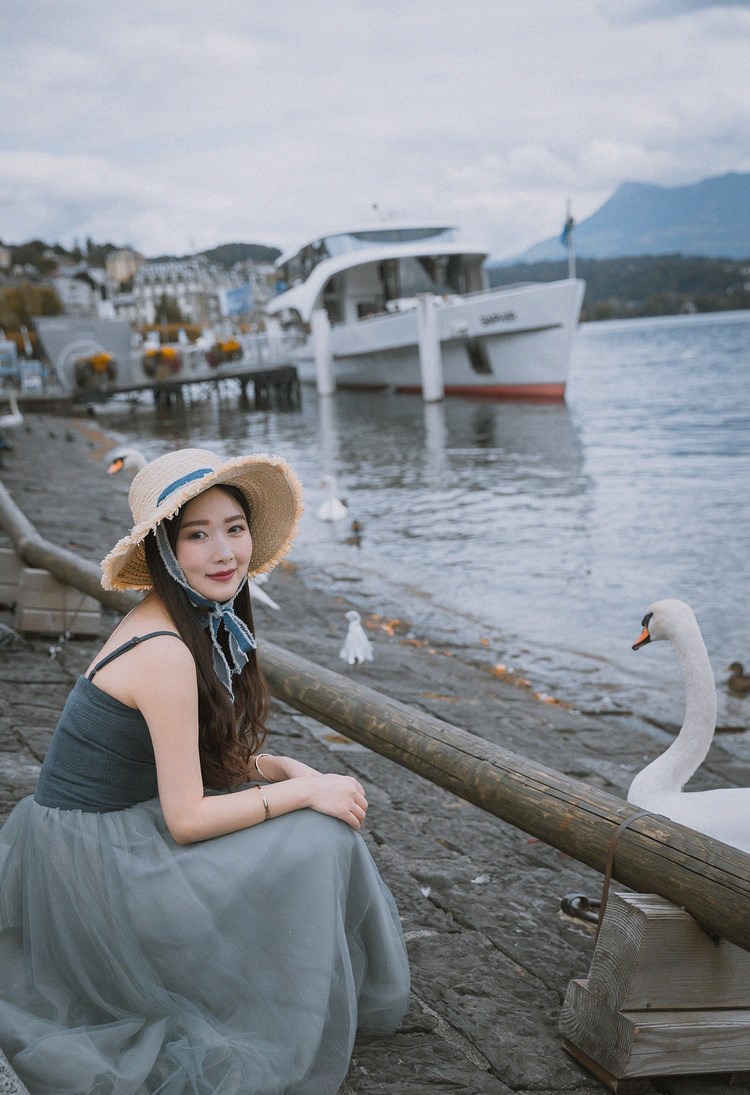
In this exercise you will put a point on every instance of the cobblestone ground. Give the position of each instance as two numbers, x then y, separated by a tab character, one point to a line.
491	953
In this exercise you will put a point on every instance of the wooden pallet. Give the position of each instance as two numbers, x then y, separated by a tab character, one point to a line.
662	998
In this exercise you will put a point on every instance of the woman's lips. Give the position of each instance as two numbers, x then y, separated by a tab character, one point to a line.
222	576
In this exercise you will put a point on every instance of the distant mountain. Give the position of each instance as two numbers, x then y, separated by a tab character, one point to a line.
709	218
226	254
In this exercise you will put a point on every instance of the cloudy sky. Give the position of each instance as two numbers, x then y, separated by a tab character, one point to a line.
176	125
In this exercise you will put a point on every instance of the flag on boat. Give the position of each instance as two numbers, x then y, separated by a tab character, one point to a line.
567	231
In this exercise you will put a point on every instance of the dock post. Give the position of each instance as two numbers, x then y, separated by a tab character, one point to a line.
321	341
430	360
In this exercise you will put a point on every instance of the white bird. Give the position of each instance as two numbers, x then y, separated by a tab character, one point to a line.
15	419
259	594
723	814
357	647
125	459
332	509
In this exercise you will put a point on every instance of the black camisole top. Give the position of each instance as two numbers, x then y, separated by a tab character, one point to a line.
101	757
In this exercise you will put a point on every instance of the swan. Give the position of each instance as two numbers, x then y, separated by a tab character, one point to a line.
15	419
124	459
738	680
332	509
723	814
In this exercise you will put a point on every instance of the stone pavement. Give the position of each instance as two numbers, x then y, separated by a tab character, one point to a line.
491	954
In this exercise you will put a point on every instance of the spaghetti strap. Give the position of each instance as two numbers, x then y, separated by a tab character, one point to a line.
128	646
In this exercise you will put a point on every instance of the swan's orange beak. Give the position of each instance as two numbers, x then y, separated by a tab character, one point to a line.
115	466
642	639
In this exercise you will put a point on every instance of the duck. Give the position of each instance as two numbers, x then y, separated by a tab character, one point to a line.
738	680
332	508
125	459
13	420
723	813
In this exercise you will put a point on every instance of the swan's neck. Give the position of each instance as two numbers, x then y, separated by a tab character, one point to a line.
671	771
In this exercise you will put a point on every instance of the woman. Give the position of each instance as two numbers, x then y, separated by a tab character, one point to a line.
179	911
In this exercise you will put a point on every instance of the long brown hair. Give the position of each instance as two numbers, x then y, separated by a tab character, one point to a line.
229	732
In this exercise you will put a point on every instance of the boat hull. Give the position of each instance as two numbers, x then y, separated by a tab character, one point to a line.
512	343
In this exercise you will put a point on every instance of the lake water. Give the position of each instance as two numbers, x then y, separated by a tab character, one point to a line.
535	536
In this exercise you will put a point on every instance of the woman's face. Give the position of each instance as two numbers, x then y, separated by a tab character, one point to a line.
214	544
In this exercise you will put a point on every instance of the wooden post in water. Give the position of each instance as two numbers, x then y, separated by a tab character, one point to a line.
706	877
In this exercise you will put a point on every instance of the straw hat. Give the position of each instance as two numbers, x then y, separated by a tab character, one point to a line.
167	483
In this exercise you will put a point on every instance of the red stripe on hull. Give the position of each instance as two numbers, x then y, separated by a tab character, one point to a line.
540	393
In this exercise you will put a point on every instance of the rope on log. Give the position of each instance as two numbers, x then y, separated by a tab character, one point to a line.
708	878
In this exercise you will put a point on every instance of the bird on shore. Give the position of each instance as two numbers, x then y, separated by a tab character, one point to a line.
724	813
13	420
738	680
332	508
125	459
357	647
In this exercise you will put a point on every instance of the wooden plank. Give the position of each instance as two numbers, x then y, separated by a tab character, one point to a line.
45	621
40	589
655	1043
652	954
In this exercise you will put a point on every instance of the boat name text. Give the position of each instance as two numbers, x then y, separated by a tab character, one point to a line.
498	317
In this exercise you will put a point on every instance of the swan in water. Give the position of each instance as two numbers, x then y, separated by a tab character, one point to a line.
15	419
723	814
332	509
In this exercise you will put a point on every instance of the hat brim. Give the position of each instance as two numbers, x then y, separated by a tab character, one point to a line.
274	494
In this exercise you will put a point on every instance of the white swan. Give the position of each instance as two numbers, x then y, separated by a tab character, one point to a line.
332	509
723	814
125	459
15	419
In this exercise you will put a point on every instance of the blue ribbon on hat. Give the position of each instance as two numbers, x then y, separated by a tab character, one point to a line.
215	615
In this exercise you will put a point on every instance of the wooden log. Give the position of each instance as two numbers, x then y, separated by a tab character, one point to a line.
655	855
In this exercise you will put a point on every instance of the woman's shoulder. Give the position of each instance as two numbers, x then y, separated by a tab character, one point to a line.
144	645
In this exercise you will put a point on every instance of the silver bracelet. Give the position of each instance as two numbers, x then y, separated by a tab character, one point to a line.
259	770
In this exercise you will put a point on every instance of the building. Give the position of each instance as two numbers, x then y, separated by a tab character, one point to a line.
195	285
123	265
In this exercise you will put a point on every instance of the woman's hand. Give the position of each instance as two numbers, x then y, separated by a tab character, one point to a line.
338	796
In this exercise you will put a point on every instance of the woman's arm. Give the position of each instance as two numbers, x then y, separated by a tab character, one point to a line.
167	697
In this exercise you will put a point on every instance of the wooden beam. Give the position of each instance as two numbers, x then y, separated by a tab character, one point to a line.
708	878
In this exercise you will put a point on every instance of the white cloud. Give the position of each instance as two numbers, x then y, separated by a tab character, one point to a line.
165	124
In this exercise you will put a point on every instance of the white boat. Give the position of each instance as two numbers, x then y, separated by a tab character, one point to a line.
512	342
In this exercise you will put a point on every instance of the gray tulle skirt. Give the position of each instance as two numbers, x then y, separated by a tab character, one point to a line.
131	965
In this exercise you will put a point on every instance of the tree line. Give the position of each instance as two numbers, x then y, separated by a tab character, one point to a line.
649	285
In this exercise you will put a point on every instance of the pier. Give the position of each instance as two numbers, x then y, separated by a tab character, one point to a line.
272	386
